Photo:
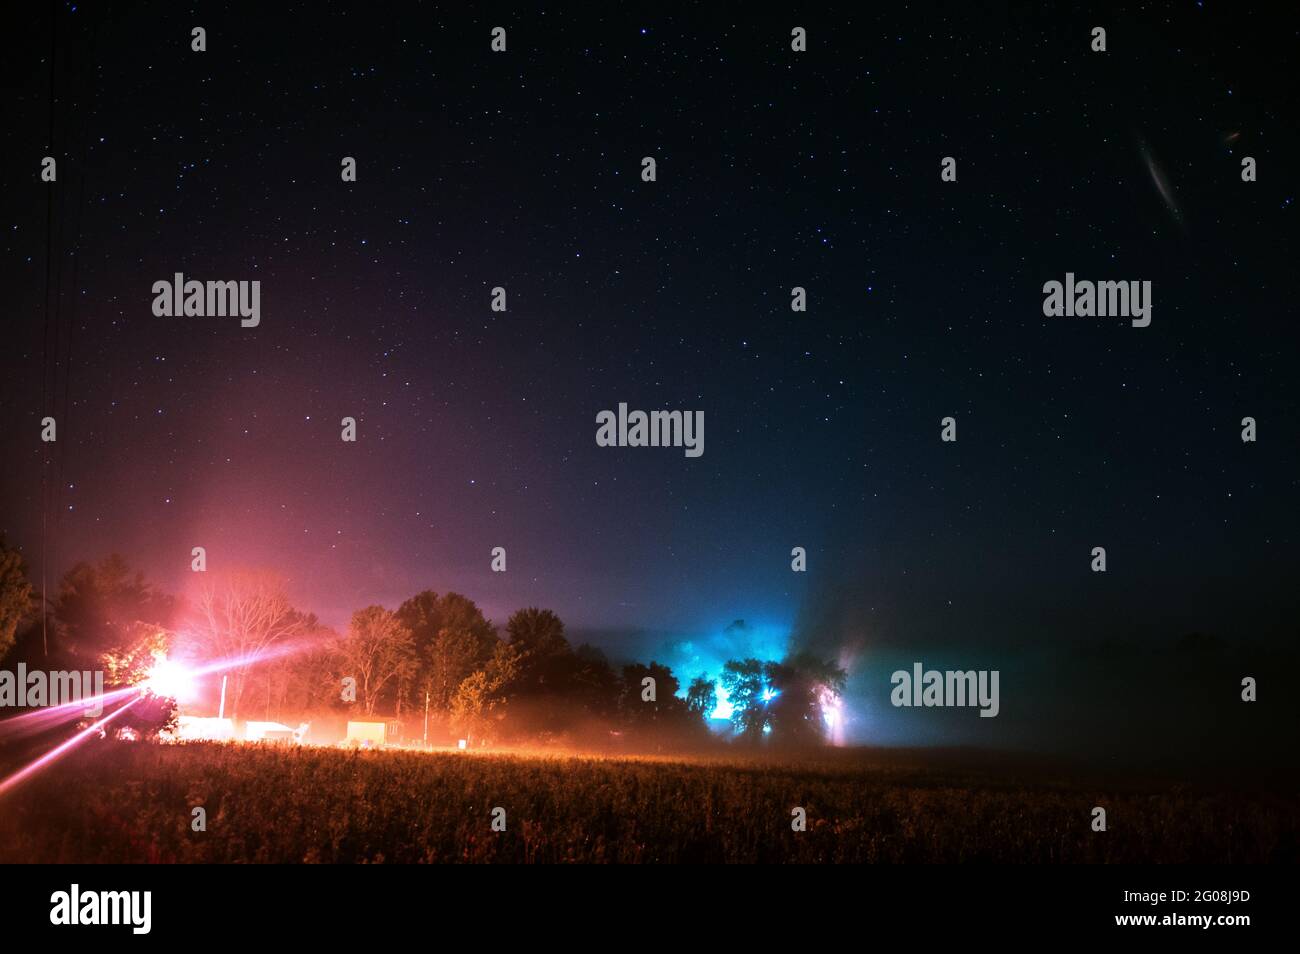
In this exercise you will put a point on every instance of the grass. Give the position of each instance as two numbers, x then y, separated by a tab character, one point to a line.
122	802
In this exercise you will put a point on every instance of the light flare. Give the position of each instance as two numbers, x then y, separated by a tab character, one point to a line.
166	678
170	679
43	761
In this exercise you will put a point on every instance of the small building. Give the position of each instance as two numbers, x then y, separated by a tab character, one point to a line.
367	735
203	729
268	732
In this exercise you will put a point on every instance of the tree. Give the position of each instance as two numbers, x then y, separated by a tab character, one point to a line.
478	701
451	638
311	681
16	595
538	631
239	619
148	716
377	651
593	683
99	606
743	681
799	685
426	614
556	688
290	685
665	710
546	661
702	697
453	655
129	663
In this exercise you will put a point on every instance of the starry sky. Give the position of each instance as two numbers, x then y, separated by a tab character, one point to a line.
775	169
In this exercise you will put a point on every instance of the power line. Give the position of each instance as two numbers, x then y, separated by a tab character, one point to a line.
45	342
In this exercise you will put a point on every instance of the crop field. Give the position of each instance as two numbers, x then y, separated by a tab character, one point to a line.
136	802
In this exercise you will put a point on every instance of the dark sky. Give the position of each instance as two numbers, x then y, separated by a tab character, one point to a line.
775	169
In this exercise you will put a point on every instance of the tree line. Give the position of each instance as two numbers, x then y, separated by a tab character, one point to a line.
435	659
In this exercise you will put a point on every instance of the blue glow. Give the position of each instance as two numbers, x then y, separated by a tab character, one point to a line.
724	708
706	653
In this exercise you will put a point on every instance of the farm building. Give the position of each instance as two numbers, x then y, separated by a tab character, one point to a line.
367	735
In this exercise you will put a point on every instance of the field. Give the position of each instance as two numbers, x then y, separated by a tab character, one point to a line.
113	802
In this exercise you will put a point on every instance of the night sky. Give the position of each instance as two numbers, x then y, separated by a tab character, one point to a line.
775	169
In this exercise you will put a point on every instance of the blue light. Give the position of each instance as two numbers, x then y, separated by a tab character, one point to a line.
724	708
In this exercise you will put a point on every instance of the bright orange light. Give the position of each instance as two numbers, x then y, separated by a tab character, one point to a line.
170	679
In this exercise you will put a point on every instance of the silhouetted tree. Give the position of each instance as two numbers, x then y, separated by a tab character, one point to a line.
451	639
537	631
17	598
148	716
595	685
702	698
99	606
665	710
798	685
743	681
547	663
